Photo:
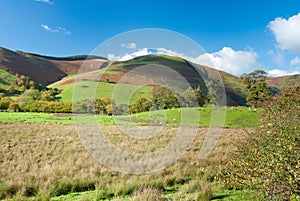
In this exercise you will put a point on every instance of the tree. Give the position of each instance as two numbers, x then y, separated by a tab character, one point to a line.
215	91
193	98
164	98
141	105
47	95
268	161
257	89
11	89
4	103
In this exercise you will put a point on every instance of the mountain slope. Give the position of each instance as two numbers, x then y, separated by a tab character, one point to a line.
42	69
116	71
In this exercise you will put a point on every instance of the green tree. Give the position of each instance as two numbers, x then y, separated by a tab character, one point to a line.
4	103
193	98
215	91
257	89
11	90
269	159
47	96
164	98
141	105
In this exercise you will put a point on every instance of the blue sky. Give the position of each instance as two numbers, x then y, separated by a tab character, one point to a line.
238	36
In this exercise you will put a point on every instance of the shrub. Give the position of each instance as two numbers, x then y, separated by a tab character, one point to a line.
268	161
141	105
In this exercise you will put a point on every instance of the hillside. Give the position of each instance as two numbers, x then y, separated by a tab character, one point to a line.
62	72
188	70
42	69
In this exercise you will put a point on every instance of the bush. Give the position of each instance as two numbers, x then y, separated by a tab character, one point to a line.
141	105
269	159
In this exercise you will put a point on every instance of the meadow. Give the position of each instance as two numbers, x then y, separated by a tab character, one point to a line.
42	158
45	161
236	117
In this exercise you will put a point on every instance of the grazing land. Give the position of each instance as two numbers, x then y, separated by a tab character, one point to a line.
236	117
40	161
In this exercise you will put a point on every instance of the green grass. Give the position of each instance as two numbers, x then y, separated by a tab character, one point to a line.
103	89
7	80
218	195
237	117
35	117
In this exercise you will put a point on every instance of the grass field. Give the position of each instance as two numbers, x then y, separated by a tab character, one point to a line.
103	89
236	117
42	158
42	161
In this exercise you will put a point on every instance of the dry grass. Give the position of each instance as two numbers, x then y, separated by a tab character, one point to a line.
45	160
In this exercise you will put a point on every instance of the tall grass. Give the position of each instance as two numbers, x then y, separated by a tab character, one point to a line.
47	160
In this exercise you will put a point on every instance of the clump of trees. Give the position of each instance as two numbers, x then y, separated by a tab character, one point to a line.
269	160
162	98
165	98
33	100
257	90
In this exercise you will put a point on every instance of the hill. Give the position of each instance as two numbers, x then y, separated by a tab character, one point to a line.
62	72
188	70
42	69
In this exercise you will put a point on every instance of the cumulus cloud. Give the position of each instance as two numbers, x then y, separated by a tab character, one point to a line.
56	30
45	1
287	32
230	60
295	61
227	59
141	52
279	72
129	45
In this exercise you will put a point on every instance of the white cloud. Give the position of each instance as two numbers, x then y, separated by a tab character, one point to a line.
47	28
230	60
141	52
130	45
287	32
279	72
45	1
295	61
227	59
56	30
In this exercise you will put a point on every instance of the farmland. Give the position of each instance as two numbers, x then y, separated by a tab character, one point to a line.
45	160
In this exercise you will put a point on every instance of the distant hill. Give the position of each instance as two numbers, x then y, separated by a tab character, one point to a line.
42	69
62	72
188	70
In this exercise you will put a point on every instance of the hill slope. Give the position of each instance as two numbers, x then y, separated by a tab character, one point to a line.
115	72
42	69
61	72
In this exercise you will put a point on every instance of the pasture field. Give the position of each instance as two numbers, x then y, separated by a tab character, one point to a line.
42	158
236	117
46	161
103	89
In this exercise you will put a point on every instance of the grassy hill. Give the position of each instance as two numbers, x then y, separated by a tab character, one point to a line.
43	69
293	80
62	73
115	72
188	70
7	80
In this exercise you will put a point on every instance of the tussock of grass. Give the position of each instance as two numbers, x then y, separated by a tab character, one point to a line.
46	160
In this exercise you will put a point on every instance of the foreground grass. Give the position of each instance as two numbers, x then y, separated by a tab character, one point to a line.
237	117
42	161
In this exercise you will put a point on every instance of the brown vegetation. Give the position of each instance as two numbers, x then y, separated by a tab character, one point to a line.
47	160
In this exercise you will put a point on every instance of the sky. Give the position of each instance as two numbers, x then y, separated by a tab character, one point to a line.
238	36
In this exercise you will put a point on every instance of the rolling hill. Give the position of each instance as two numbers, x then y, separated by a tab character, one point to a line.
42	69
62	73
